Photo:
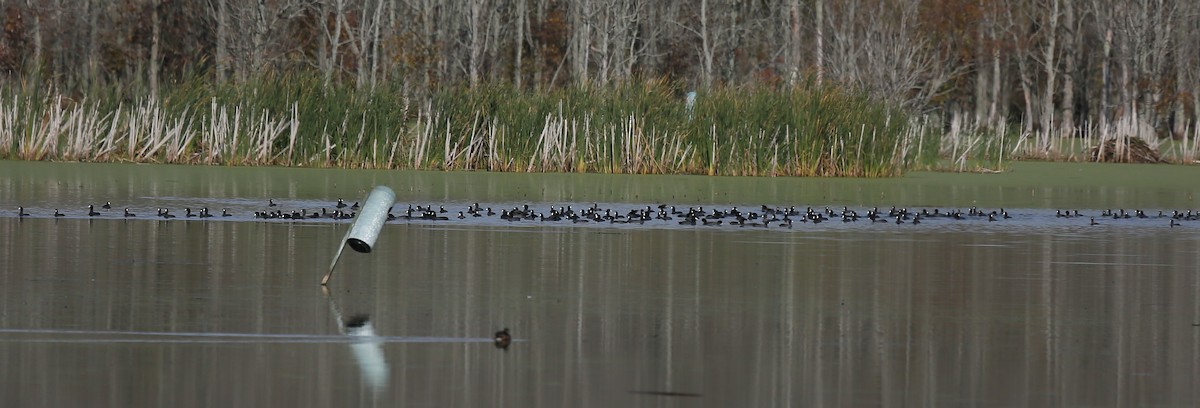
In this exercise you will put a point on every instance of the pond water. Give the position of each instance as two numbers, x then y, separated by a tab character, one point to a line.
1033	310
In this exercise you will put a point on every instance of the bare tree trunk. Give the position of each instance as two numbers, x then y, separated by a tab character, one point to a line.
1125	107
1106	75
535	44
982	74
93	46
994	117
36	29
492	45
604	46
519	43
258	40
819	50
334	38
1050	71
706	46
793	60
222	51
1070	41
582	39
376	39
388	69
475	35
1027	92
57	38
363	45
155	38
1183	51
734	33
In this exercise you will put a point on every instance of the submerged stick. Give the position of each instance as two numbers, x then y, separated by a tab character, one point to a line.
336	256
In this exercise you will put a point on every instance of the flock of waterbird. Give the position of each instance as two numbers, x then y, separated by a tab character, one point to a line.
762	217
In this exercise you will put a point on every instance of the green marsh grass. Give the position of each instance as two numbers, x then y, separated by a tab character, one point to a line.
637	127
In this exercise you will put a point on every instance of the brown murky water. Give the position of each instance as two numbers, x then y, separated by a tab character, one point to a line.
1034	311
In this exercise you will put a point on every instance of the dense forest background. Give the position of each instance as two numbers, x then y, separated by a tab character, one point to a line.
1045	67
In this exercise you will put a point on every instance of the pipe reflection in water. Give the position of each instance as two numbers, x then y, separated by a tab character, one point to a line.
367	348
368	351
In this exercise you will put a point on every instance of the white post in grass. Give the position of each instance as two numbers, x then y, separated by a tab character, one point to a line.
690	104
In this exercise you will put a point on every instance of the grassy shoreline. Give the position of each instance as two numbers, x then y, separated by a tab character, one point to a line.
634	128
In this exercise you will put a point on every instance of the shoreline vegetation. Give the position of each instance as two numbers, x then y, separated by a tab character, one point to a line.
635	127
862	88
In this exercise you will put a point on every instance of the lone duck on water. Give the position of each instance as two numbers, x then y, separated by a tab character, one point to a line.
502	339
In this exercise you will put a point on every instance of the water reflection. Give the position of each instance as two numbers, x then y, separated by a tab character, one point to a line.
846	318
367	348
368	351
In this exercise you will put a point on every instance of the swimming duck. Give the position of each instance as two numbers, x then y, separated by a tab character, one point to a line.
502	339
92	211
107	205
225	212
340	204
21	212
129	214
271	202
58	214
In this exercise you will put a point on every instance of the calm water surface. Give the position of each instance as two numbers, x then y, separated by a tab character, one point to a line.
1034	311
